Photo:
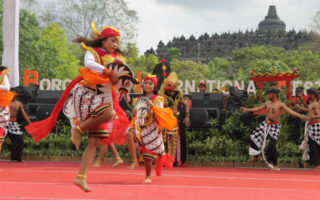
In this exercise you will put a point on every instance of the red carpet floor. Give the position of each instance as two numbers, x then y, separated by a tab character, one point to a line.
53	181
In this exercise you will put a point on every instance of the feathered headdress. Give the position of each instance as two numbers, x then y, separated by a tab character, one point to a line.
106	31
172	78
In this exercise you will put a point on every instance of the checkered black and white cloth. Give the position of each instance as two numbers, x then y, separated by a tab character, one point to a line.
14	128
258	134
314	132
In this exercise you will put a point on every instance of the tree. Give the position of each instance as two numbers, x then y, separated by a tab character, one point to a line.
174	53
46	50
67	64
315	22
189	70
75	16
263	59
218	69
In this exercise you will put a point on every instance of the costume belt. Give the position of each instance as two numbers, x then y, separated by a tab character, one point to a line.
272	123
12	119
314	122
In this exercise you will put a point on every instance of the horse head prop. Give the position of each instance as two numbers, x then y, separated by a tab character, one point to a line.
143	111
126	79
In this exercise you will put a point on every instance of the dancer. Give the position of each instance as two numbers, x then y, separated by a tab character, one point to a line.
175	140
312	133
5	98
202	87
103	151
94	101
14	132
269	129
149	119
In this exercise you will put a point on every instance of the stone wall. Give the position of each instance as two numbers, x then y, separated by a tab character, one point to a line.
206	47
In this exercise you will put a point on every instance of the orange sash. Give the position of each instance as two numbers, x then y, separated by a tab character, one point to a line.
5	97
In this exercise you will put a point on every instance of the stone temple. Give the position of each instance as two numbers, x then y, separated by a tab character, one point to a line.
271	31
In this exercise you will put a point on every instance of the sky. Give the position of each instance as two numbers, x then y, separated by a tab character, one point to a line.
165	19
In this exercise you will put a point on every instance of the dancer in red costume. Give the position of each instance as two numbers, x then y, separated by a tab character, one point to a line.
94	101
5	98
149	119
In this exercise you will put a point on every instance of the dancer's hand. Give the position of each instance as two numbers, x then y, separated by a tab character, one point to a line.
308	118
134	112
108	72
114	78
186	121
119	61
243	109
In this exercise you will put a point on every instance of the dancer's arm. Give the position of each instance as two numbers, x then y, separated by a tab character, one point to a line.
293	113
255	109
303	109
23	112
90	63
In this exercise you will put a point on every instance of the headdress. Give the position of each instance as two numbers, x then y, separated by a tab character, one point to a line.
299	89
3	71
203	84
164	68
172	78
152	78
313	91
106	31
273	90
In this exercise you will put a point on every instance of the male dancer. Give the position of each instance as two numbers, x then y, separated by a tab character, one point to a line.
270	126
313	129
14	132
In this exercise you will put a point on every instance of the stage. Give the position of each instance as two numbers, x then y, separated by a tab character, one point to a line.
53	180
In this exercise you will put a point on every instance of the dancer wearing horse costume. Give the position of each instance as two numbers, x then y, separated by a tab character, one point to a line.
5	98
94	99
149	119
269	129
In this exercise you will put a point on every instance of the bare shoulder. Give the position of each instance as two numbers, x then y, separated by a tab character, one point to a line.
19	104
281	104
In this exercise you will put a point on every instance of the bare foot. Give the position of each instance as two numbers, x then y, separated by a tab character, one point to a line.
81	182
316	167
75	137
275	168
118	162
254	159
133	165
97	164
147	180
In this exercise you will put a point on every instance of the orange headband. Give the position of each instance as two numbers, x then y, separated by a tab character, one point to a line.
153	78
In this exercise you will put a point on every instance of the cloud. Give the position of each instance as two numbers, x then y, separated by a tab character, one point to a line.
213	5
165	19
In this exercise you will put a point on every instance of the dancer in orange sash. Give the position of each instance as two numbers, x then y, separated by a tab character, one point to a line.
94	105
149	119
5	98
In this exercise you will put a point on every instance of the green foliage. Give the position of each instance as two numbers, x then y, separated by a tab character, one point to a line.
174	53
236	129
189	70
289	153
45	50
67	65
264	58
218	69
210	145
